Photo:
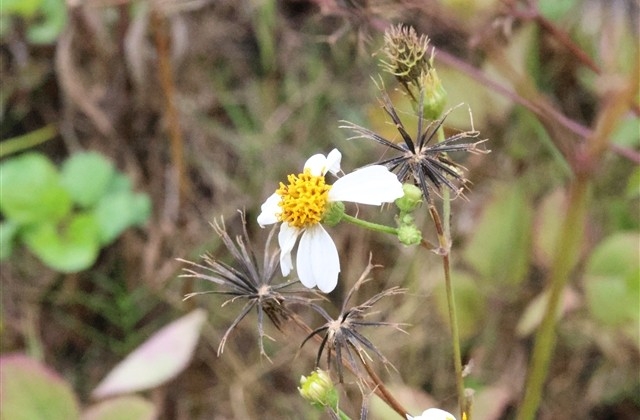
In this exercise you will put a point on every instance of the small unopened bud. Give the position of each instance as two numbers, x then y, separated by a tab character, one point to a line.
410	200
318	389
333	213
435	97
409	235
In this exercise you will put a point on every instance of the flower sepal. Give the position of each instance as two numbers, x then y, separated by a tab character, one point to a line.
334	213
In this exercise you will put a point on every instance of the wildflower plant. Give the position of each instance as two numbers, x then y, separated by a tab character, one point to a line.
421	170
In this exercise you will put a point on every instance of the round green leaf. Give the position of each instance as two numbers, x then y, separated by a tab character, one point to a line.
120	210
31	391
86	176
612	280
31	190
470	303
53	21
74	249
500	246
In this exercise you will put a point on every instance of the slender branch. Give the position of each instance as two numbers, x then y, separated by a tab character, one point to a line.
540	109
388	398
565	257
167	83
28	140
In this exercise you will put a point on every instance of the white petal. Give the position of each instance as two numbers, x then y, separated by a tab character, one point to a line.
287	240
316	164
317	260
269	210
435	414
333	161
370	185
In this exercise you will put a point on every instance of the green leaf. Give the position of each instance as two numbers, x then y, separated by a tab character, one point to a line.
470	303
626	134
633	185
86	176
555	9
612	280
547	226
499	247
120	210
52	22
23	8
74	249
8	231
31	391
31	190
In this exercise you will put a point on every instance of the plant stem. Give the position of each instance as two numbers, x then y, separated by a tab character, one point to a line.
453	318
28	140
565	259
370	225
342	415
443	229
567	249
388	398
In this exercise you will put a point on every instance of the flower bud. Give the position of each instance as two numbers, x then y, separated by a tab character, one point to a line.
410	200
435	97
318	389
409	235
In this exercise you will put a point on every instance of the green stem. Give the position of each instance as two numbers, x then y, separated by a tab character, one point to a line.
566	255
370	225
463	404
443	228
26	141
342	415
446	200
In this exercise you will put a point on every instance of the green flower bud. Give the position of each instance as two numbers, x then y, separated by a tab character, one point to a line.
409	235
333	213
405	219
318	389
435	97
411	199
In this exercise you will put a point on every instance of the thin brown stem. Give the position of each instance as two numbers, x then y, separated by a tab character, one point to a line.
540	109
388	397
167	83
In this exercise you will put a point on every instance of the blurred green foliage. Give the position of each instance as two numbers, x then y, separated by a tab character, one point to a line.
65	217
44	19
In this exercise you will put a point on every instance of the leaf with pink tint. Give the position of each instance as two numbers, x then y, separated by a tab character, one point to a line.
129	407
31	390
161	358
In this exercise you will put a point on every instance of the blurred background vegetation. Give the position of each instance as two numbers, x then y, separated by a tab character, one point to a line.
193	109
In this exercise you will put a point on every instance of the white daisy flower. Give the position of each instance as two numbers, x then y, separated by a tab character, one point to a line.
433	414
301	206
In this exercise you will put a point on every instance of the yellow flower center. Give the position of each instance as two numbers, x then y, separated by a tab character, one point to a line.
304	200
